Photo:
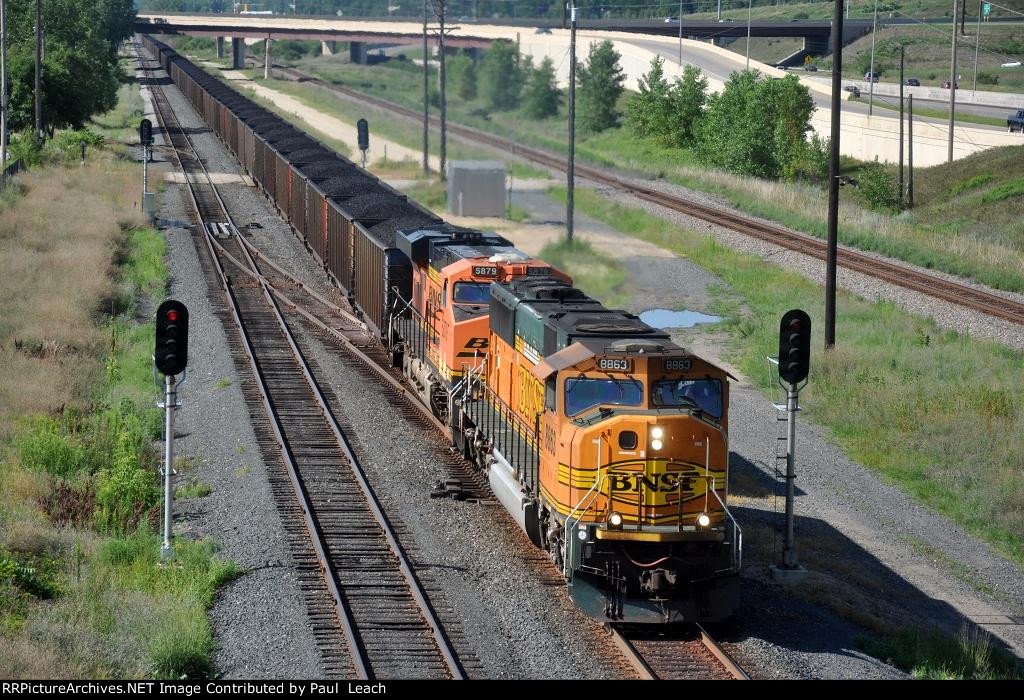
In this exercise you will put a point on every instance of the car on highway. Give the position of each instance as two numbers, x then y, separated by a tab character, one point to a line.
810	68
1012	64
945	85
669	20
853	90
1015	122
781	67
872	77
912	82
542	30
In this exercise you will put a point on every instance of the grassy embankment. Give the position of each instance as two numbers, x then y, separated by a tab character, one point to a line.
82	593
895	395
968	243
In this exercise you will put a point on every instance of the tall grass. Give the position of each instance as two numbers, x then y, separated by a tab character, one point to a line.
897	392
931	655
78	487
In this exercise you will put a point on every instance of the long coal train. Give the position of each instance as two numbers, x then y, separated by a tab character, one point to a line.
606	442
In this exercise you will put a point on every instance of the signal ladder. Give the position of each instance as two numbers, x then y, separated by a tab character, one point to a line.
781	453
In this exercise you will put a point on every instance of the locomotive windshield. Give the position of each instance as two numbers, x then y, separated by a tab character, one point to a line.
705	394
582	393
472	292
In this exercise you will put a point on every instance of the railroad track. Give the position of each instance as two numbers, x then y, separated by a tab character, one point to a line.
680	654
893	273
371	615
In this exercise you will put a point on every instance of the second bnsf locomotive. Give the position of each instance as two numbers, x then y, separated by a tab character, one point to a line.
607	442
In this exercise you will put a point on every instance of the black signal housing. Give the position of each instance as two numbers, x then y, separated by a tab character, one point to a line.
795	346
363	133
171	355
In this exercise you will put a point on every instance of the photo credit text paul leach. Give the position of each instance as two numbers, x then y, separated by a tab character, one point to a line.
193	689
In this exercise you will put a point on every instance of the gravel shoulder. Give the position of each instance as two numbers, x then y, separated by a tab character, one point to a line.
259	620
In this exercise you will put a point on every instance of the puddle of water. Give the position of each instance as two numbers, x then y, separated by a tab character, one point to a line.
663	318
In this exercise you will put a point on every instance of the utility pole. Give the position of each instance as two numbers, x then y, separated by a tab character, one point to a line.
39	73
910	151
426	95
570	169
749	3
680	33
266	58
3	85
442	6
719	12
901	129
871	74
963	13
833	177
952	86
977	45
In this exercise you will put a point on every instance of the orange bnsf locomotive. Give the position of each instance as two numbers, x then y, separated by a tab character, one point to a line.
606	442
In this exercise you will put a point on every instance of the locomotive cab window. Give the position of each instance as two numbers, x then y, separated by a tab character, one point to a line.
705	394
583	393
472	292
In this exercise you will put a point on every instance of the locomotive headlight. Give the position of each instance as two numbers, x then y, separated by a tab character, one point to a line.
656	444
657	433
703	520
615	520
582	534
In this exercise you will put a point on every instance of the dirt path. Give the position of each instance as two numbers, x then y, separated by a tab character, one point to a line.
330	125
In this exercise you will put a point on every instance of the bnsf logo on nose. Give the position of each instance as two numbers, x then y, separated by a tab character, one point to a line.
660	482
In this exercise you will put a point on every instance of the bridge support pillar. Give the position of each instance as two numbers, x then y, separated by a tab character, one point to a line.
357	52
328	48
237	53
220	47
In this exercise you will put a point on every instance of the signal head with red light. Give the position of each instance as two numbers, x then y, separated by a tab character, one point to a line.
171	354
795	346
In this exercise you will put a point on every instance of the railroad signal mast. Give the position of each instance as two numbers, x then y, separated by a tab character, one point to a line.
363	136
170	357
146	139
794	366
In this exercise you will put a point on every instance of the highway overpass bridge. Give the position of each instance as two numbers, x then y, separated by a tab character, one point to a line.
817	34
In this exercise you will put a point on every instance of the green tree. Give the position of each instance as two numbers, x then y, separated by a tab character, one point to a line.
80	73
878	187
648	109
462	74
600	86
542	96
501	76
756	127
686	102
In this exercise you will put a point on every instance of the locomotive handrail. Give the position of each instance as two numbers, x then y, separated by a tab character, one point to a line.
737	531
568	540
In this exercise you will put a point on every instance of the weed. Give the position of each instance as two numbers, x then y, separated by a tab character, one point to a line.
192	489
222	383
